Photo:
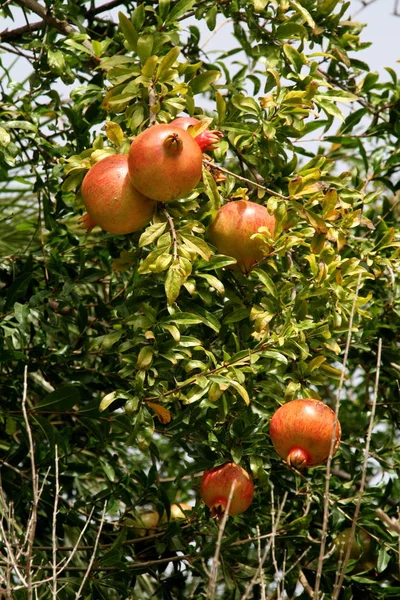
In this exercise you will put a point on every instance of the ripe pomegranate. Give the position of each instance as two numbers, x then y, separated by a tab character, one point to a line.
216	486
233	227
164	163
207	140
111	200
302	430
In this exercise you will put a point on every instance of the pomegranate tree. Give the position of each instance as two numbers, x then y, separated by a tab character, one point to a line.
233	227
164	162
216	486
111	200
302	432
207	140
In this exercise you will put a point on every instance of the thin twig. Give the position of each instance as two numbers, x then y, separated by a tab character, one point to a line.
307	587
152	102
249	181
262	578
173	233
214	571
337	589
31	529
54	527
321	557
392	524
215	32
92	558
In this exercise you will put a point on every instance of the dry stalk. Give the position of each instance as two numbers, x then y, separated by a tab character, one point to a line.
392	524
54	525
337	589
173	233
212	585
92	558
329	461
262	578
266	551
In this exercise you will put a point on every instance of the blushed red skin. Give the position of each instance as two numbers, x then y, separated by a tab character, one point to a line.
302	430
111	200
165	163
233	227
216	485
207	140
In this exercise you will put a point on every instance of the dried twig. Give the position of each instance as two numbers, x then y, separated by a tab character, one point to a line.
329	461
214	571
338	587
393	525
262	578
54	527
92	558
249	181
173	233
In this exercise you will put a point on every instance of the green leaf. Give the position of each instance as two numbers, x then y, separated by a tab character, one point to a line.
201	83
145	357
173	282
240	389
383	559
221	107
139	16
303	12
145	47
128	30
167	61
112	397
179	10
5	137
197	245
151	234
62	399
266	281
24	125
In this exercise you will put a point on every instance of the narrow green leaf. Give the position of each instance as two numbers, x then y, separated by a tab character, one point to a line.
179	10
145	357
167	61
112	397
62	399
128	30
201	83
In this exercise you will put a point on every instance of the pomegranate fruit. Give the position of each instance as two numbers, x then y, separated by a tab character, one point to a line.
111	200
177	512
144	523
216	486
164	163
302	430
233	227
207	140
361	549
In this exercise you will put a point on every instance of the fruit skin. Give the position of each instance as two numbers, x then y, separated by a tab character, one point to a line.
111	200
207	140
361	549
144	523
177	512
233	227
301	431
164	163
216	485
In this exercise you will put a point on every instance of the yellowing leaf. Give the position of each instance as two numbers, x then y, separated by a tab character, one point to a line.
163	414
124	262
114	133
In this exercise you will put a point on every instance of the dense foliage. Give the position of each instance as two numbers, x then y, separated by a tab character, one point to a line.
130	364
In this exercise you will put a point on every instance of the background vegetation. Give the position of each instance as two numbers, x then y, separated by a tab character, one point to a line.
129	364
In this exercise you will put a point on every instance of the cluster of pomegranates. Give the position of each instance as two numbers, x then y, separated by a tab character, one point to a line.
164	163
302	432
120	192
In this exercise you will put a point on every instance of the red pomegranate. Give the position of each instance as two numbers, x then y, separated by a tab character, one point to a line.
164	163
233	227
207	140
302	431
111	200
216	486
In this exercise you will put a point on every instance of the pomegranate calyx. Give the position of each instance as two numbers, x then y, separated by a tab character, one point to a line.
218	509
86	222
173	144
298	458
